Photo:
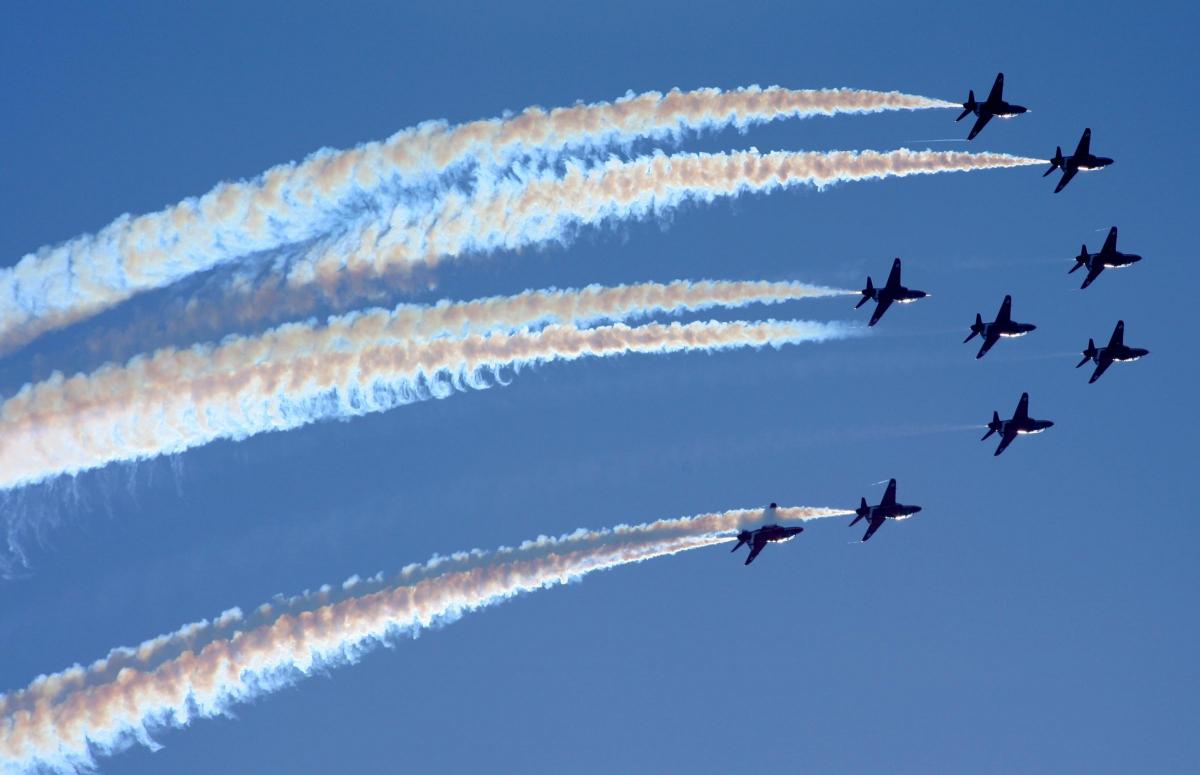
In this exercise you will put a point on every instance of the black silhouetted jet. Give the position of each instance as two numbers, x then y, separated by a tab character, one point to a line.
757	539
1115	351
1108	258
1020	425
1003	325
1082	159
994	105
892	292
887	509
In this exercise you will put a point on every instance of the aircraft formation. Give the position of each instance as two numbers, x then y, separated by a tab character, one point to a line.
1002	327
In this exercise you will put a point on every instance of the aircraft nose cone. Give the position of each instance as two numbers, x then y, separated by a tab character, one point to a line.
1049	423
916	509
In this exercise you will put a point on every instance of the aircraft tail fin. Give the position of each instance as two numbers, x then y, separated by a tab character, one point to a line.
968	106
1056	162
993	426
867	293
1089	353
862	511
977	329
1081	259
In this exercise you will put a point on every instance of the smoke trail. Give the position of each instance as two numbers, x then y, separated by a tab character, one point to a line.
179	399
501	313
340	272
62	721
290	203
200	314
543	208
540	209
580	307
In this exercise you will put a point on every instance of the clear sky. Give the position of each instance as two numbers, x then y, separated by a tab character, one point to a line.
1038	616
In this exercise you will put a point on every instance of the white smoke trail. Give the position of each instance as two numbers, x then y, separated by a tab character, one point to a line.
194	315
542	208
515	214
179	399
62	721
291	203
581	307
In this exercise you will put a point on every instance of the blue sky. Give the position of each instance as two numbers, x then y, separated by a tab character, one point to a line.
1036	617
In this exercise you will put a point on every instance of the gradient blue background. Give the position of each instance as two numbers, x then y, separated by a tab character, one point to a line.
1039	616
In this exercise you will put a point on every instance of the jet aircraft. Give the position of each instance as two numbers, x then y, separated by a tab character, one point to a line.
1003	325
1020	425
893	291
993	106
1116	350
887	509
757	539
1082	159
1108	258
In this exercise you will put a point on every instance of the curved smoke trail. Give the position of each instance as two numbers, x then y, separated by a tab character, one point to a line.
179	399
519	213
545	208
531	309
340	272
291	203
202	315
62	721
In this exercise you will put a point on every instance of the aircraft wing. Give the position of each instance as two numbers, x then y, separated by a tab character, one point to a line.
1101	366
881	307
1085	144
988	341
997	92
755	549
1110	242
875	523
1004	442
1093	272
1118	336
1022	412
893	280
984	117
1005	313
889	495
1068	174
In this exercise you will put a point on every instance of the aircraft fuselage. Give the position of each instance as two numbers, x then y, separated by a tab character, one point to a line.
1008	330
1086	163
1119	355
1024	427
779	533
1115	260
898	511
999	109
769	533
901	296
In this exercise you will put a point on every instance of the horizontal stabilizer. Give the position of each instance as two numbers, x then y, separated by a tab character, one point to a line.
1056	162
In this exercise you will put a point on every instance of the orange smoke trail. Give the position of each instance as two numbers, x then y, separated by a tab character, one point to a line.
62	721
